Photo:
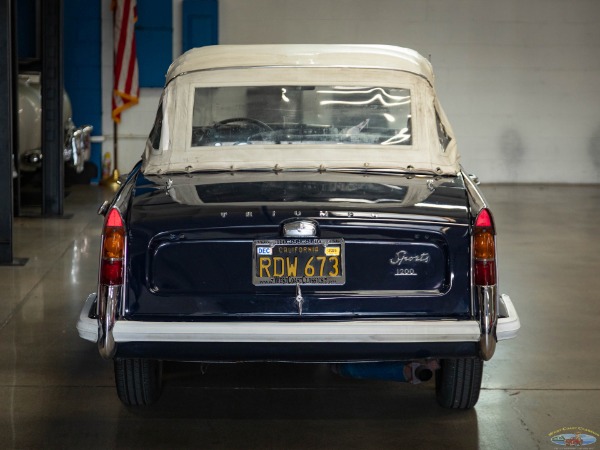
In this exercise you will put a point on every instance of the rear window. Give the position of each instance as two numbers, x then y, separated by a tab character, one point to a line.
295	191
245	115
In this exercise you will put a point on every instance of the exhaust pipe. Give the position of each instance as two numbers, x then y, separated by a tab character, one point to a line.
423	373
406	372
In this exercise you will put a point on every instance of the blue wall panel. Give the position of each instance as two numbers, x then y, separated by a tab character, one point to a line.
200	23
154	41
82	40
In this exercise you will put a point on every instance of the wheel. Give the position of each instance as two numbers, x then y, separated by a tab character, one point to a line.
138	381
458	382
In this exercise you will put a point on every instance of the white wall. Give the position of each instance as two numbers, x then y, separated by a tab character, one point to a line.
520	80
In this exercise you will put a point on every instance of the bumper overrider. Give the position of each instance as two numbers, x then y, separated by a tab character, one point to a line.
77	149
495	324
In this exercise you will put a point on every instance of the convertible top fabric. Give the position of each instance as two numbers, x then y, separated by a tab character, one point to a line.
295	55
281	65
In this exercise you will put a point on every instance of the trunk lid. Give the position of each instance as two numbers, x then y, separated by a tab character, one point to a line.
400	247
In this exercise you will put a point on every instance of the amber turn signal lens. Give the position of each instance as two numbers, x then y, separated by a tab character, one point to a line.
114	243
484	246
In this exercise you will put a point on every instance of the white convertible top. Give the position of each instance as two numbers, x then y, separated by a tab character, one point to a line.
298	55
432	149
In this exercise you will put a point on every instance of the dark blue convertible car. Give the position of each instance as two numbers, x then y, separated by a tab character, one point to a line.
300	203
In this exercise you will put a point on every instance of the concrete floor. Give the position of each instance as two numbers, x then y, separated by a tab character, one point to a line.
56	392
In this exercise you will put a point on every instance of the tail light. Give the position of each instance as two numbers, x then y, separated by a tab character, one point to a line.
484	249
113	249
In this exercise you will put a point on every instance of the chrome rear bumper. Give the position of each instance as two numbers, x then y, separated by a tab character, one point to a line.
363	331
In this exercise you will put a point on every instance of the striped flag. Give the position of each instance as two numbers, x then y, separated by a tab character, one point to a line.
126	89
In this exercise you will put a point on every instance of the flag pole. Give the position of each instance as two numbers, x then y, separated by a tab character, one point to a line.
115	173
111	181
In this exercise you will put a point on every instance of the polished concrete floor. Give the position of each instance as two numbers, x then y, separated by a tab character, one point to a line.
56	392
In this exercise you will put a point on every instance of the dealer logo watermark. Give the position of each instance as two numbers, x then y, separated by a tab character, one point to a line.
574	437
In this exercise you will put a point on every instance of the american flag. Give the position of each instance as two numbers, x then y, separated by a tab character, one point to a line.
126	89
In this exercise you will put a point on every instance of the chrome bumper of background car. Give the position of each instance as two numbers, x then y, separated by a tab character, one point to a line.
364	331
77	149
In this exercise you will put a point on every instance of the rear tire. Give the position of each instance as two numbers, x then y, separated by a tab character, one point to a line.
138	381
458	382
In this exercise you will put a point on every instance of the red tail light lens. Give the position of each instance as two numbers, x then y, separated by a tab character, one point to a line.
111	273
484	249
485	273
113	249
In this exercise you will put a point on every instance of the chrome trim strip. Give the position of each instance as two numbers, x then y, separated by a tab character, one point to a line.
477	202
107	306
487	299
383	293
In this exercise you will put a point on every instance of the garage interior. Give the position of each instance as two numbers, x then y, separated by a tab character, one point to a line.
519	82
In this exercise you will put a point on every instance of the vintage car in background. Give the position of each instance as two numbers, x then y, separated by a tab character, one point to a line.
77	145
300	203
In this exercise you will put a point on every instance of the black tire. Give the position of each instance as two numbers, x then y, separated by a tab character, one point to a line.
458	382
138	381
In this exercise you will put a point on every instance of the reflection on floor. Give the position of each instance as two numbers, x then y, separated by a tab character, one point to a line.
56	392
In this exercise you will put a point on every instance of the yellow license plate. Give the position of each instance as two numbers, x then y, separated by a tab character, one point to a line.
298	261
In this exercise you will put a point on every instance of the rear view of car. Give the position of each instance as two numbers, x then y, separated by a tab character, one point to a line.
300	204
